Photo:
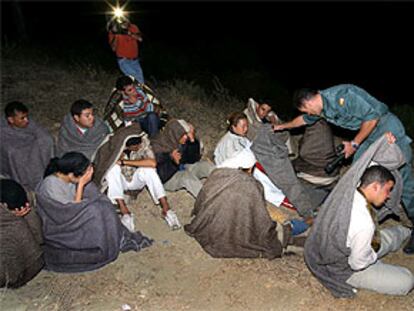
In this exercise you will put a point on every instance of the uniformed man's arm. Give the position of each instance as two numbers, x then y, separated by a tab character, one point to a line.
296	122
366	128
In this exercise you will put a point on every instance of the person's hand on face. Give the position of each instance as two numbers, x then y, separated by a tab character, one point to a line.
22	211
87	177
176	156
191	134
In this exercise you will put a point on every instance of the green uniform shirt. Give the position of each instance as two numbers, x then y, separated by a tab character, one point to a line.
347	106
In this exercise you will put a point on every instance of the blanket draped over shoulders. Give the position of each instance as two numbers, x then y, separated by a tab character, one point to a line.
271	152
326	253
25	153
168	139
111	150
81	236
231	219
20	251
69	138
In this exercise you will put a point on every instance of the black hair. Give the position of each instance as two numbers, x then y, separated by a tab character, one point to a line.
13	107
234	118
262	101
78	106
12	193
133	141
123	81
70	162
376	173
302	95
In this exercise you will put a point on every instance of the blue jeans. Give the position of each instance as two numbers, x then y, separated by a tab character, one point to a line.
150	124
131	67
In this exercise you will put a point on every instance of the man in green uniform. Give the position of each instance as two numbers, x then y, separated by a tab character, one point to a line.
351	107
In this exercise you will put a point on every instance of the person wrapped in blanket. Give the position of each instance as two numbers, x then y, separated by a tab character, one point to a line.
345	247
20	236
126	162
81	229
81	130
230	215
310	154
136	106
26	147
233	142
178	153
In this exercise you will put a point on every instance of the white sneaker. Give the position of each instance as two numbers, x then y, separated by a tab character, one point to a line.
128	221
172	220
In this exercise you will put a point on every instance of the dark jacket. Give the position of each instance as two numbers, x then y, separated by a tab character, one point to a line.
166	167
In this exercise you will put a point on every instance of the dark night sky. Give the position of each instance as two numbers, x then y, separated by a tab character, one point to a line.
298	43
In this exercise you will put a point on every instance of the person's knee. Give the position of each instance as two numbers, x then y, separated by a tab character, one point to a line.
114	171
192	184
204	169
147	173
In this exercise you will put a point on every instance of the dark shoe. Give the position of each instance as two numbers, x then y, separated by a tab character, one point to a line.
409	247
299	241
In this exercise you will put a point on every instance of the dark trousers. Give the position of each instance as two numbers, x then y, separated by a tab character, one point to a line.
150	124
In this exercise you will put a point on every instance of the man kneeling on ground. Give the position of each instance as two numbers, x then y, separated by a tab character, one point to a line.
345	245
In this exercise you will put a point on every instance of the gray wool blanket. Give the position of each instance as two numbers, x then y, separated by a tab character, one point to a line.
326	253
231	219
110	151
255	123
316	150
20	251
69	138
168	139
271	152
25	153
84	236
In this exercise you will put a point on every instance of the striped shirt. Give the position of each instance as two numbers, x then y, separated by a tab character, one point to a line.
140	108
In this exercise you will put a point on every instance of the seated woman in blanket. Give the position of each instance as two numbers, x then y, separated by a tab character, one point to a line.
81	229
236	140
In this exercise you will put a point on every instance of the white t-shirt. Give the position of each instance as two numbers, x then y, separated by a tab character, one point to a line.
360	233
229	145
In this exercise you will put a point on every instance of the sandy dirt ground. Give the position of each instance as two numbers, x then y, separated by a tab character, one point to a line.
175	273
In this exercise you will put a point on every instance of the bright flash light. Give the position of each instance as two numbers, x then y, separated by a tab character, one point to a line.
119	12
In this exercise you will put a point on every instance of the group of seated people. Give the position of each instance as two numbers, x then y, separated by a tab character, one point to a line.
80	183
79	177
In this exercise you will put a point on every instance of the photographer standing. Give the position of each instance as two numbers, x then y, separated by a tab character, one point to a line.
123	38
